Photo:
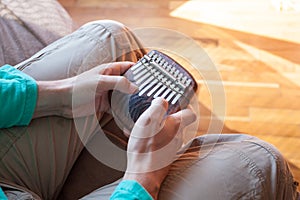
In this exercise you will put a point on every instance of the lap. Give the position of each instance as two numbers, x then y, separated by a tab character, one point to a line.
226	166
40	156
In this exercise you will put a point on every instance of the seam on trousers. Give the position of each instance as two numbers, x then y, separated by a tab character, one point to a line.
114	35
284	177
87	30
197	149
50	49
13	138
273	154
256	172
241	155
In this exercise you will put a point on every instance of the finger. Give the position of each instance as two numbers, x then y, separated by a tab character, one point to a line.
120	83
157	111
186	116
117	68
153	118
126	132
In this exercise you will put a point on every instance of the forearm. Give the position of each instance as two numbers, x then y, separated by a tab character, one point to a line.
54	97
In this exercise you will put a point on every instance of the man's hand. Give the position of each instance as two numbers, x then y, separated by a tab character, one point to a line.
153	144
84	94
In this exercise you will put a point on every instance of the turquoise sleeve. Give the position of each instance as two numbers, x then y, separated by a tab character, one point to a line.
130	190
2	195
18	97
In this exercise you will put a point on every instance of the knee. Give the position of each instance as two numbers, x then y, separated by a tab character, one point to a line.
247	163
118	40
110	32
112	26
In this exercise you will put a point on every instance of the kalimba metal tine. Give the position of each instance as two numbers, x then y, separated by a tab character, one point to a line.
154	89
156	75
145	89
170	96
184	79
176	99
160	91
141	79
136	66
137	77
138	70
166	92
146	82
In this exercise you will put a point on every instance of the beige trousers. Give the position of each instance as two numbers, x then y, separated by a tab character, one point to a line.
223	166
38	158
35	161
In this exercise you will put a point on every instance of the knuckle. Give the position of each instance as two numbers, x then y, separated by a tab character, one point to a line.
122	81
107	69
145	121
174	123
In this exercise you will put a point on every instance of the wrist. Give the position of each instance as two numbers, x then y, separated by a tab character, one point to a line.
53	97
151	181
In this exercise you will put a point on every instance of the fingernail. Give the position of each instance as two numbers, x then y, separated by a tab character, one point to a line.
160	101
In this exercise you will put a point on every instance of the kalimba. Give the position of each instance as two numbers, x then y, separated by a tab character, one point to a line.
156	75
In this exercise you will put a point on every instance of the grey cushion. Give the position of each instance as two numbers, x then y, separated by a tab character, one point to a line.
28	26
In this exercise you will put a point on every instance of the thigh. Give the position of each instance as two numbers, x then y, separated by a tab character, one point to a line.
93	44
229	167
224	167
97	155
39	157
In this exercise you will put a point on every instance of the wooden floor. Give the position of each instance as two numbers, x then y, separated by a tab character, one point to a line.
255	48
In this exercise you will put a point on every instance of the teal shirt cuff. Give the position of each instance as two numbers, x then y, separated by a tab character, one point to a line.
18	97
130	190
2	195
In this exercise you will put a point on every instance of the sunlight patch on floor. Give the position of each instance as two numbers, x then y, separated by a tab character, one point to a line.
286	68
258	17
